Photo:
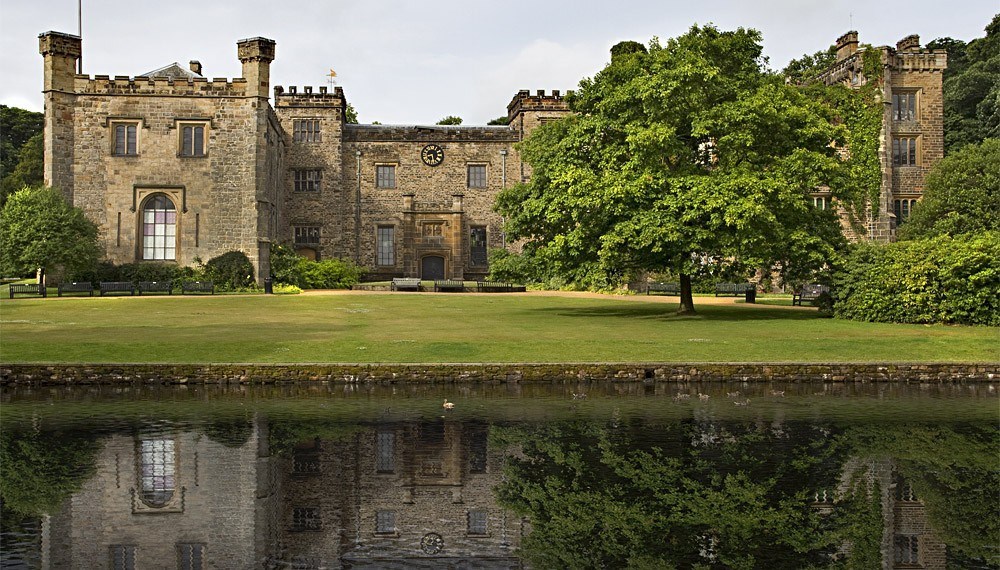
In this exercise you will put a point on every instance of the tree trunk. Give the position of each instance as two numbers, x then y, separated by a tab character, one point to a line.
687	300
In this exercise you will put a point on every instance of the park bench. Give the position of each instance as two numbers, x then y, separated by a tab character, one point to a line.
75	287
156	287
808	292
733	289
666	288
27	289
117	287
405	284
494	287
197	287
448	285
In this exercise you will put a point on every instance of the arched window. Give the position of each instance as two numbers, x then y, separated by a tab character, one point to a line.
159	227
157	471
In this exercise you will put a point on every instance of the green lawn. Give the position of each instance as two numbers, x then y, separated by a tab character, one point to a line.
418	327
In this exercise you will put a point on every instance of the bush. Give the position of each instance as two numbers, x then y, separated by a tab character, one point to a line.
134	272
938	280
292	269
286	289
231	271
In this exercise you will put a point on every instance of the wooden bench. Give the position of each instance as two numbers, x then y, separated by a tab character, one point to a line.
666	288
197	287
809	292
156	287
405	284
447	285
75	287
733	289
494	287
117	287
27	289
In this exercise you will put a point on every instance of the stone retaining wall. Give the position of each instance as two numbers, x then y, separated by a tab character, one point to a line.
38	374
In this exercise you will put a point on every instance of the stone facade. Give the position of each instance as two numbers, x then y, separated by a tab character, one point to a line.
293	173
913	116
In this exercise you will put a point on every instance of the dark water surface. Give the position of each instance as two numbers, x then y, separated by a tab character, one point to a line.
592	475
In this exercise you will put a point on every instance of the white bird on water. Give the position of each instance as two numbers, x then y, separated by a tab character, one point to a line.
448	405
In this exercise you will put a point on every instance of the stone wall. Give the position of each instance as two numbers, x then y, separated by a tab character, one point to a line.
70	374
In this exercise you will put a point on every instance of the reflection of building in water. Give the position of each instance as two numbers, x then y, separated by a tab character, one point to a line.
908	541
168	499
397	495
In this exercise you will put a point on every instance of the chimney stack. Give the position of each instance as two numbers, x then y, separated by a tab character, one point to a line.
909	43
256	55
195	66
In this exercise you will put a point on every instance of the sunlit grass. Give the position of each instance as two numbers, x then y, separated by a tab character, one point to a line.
417	327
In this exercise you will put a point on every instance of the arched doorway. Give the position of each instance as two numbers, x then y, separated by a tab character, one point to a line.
432	267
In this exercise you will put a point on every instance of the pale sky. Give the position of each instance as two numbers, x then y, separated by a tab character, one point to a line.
414	62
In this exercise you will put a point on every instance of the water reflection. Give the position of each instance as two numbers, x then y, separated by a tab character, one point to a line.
588	476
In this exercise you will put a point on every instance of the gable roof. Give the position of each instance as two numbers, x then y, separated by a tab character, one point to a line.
172	71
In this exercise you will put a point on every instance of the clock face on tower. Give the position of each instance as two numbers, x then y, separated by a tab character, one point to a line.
432	155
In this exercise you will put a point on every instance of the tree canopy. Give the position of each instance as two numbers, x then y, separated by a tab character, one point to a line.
21	150
961	194
971	88
450	120
681	155
39	229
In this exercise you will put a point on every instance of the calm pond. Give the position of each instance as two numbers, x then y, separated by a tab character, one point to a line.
590	475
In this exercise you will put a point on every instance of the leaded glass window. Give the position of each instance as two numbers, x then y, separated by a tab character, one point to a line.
385	522
306	235
477	246
307	180
385	176
306	518
386	246
159	227
193	140
385	456
903	209
122	556
477	176
306	130
906	549
904	151
125	139
477	521
904	106
190	556
158	457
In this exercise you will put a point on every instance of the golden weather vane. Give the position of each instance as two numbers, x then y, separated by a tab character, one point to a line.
330	77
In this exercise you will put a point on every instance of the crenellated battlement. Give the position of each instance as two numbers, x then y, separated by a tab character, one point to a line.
923	60
308	96
540	101
160	86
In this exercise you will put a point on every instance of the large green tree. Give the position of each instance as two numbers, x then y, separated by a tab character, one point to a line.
39	229
961	194
971	88
682	155
21	150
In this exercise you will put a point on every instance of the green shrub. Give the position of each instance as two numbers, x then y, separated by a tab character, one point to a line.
938	280
231	271
285	267
515	267
329	274
286	289
135	272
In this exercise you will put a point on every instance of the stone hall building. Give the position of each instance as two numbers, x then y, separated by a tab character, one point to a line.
174	166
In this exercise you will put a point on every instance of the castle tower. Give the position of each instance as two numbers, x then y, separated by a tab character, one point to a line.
256	55
61	51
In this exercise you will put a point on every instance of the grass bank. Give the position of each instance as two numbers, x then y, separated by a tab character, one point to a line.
417	328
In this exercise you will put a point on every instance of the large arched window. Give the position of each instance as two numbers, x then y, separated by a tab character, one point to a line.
159	227
157	462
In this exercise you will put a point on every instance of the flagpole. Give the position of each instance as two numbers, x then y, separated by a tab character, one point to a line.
79	32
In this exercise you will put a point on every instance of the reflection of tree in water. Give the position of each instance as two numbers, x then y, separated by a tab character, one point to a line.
712	494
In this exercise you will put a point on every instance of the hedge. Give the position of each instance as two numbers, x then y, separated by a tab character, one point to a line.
938	280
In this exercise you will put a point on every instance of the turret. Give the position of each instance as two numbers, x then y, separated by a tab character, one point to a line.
256	55
847	45
60	52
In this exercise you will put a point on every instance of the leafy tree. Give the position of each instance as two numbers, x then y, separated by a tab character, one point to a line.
807	67
29	170
39	229
499	121
350	115
450	120
16	127
230	271
971	88
961	194
627	47
688	154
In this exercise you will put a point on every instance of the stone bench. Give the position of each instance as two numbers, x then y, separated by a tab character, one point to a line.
449	286
197	287
156	287
117	287
27	289
405	284
665	288
809	292
75	287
